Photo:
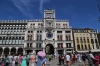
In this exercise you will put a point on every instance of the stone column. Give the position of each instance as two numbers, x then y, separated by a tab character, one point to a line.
55	50
64	51
33	51
44	49
16	49
3	50
63	36
24	51
10	50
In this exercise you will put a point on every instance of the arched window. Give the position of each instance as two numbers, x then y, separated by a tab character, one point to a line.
1	50
6	50
13	50
20	51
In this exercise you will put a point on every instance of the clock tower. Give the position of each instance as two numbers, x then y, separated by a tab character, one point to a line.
49	18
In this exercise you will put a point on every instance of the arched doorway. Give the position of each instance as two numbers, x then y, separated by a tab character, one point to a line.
6	50
20	51
13	50
1	50
49	49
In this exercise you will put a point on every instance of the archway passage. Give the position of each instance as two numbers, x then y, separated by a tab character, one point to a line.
6	50
1	50
49	49
13	50
20	51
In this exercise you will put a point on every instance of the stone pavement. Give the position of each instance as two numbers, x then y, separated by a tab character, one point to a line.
55	63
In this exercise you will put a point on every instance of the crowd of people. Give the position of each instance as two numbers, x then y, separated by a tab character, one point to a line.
86	59
64	59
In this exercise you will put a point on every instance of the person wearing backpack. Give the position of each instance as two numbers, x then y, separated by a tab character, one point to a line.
6	60
91	59
60	59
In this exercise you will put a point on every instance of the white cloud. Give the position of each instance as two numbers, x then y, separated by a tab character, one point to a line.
24	6
41	5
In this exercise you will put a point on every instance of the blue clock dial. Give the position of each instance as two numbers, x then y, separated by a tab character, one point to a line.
49	35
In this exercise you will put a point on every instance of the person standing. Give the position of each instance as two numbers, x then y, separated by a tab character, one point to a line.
96	63
74	58
32	60
91	59
23	61
10	59
84	59
63	57
79	57
60	59
41	61
68	59
19	60
13	61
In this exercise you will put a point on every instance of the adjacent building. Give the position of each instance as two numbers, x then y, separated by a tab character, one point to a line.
12	35
47	34
99	38
85	39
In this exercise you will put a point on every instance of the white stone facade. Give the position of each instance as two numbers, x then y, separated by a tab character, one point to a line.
49	31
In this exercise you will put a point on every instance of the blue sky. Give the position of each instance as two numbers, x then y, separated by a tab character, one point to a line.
80	13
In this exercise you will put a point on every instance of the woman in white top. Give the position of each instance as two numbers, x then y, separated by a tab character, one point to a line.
13	61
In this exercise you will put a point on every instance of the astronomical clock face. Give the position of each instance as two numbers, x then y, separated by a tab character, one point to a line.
49	35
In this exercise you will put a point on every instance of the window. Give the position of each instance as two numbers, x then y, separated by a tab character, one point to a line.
33	24
57	37
81	40
88	40
77	39
59	31
28	31
85	46
96	41
27	44
30	44
61	37
68	45
89	46
82	47
84	39
92	41
37	31
67	31
63	24
66	37
97	46
78	47
38	45
37	37
31	31
60	45
69	37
